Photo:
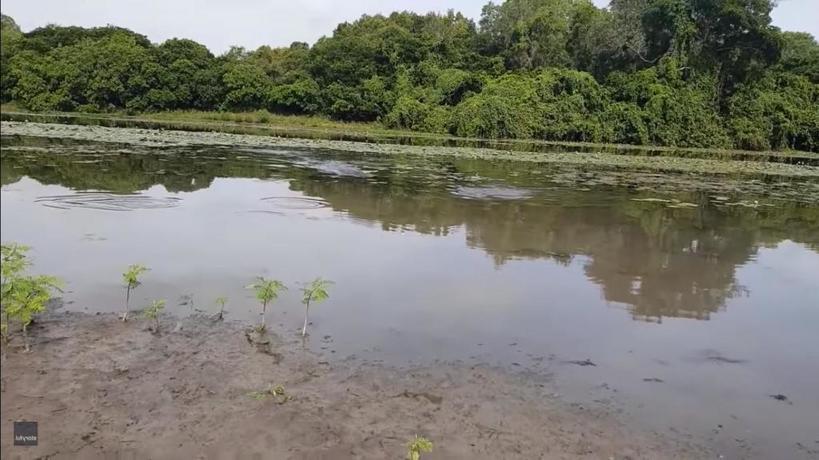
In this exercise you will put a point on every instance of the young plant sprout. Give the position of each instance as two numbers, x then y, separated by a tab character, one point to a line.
23	296
221	301
267	290
153	312
273	391
314	292
131	279
28	297
418	446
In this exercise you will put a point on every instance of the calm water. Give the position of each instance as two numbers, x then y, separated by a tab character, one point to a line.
695	306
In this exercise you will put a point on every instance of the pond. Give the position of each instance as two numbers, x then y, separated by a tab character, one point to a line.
685	307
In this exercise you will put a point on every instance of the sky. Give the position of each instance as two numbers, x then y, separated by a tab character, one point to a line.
251	23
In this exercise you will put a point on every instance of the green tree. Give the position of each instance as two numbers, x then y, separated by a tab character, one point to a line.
800	55
10	39
246	86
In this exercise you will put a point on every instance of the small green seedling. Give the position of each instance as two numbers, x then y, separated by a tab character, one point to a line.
221	301
418	446
267	290
274	391
314	292
153	312
27	297
131	279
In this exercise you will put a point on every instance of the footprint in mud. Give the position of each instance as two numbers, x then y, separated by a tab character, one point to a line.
434	399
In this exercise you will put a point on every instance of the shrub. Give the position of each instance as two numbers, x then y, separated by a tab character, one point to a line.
492	117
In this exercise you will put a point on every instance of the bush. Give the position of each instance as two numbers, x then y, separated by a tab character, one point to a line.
779	111
623	123
489	116
407	113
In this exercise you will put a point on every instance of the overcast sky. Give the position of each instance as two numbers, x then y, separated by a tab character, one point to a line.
251	23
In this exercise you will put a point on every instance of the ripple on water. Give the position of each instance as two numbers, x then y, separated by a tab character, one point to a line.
296	202
492	192
108	201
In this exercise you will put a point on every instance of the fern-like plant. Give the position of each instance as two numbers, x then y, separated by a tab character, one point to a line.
418	446
131	279
314	292
267	290
153	312
23	296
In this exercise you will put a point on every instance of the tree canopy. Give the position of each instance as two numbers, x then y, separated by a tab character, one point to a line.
692	73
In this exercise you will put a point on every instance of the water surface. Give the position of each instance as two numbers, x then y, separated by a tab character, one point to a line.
683	307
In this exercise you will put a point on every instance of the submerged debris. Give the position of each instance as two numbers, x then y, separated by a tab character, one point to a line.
585	362
780	397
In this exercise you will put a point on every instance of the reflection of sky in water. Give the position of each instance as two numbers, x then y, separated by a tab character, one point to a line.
468	266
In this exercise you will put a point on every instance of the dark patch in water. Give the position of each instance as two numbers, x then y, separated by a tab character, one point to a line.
585	362
715	356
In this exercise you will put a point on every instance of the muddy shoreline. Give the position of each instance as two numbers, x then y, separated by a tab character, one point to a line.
100	388
167	137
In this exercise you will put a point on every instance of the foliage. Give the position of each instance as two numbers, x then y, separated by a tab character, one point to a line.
267	290
314	292
14	261
153	311
662	72
131	275
131	279
23	296
418	446
776	112
800	55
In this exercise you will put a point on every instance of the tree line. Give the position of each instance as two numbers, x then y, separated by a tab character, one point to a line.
692	73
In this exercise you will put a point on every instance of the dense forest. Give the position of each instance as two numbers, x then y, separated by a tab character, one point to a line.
698	73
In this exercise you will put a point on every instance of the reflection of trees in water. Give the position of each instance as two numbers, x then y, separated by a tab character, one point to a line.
657	261
120	169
